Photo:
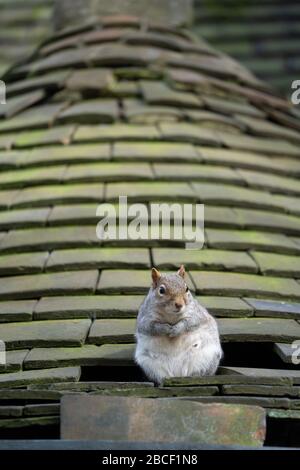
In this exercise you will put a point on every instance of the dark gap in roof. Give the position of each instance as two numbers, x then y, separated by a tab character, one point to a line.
283	432
33	432
112	374
257	355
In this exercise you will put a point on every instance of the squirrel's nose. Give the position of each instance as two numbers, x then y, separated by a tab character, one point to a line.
178	305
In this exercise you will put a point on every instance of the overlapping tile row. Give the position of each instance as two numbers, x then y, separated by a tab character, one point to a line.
263	35
120	108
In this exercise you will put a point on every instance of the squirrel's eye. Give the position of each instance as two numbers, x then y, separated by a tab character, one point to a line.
186	289
162	290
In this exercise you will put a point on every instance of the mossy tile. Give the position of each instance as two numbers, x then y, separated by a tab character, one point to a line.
37	285
26	263
23	218
154	151
9	159
197	172
91	111
236	284
54	155
18	103
98	258
226	306
147	191
7	141
11	411
268	221
99	306
37	117
31	177
55	135
115	132
288	203
14	361
19	379
258	329
195	134
49	238
50	333
42	409
274	183
273	264
155	92
108	172
246	240
7	198
74	214
261	390
90	80
58	194
112	331
274	308
16	310
266	128
171	258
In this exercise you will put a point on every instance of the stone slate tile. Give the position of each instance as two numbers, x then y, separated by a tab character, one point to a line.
266	128
71	215
154	151
220	217
273	264
192	133
112	331
50	333
231	107
37	285
44	358
158	93
41	409
53	136
235	196
290	166
16	104
260	390
112	133
61	60
258	329
49	238
99	306
162	417
64	260
268	146
7	197
18	379
37	117
274	308
213	120
226	306
7	141
246	240
171	258
288	203
92	111
241	159
224	379
141	192
260	372
274	183
50	81
231	284
31	177
16	310
11	411
90	80
95	386
197	172
58	194
14	361
286	353
137	112
108	172
25	263
121	281
9	159
65	154
17	423
268	221
23	218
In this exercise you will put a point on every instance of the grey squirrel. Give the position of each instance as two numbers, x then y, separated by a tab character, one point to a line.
176	336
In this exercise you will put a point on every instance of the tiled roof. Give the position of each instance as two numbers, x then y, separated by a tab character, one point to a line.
17	17
264	35
144	111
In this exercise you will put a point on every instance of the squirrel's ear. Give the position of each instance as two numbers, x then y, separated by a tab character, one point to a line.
155	276
181	271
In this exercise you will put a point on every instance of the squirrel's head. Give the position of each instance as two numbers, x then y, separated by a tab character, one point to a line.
171	292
